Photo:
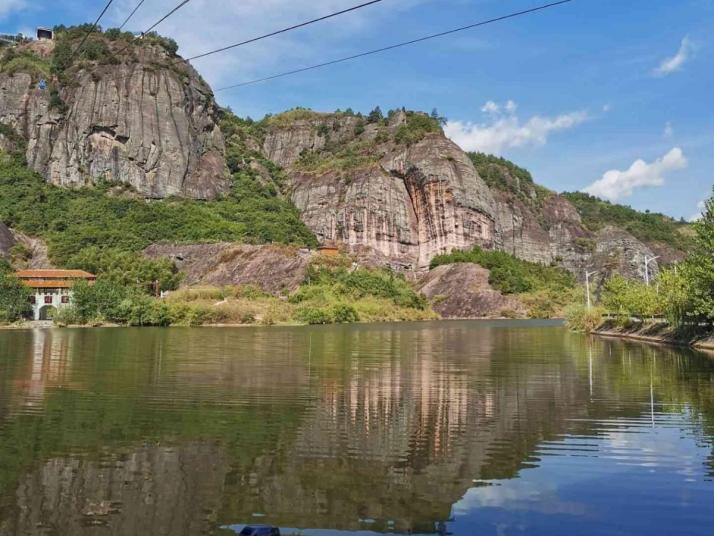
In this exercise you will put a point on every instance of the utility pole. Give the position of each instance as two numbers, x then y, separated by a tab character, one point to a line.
648	260
587	285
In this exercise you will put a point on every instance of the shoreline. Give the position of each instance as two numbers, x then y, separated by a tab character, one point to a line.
49	325
658	333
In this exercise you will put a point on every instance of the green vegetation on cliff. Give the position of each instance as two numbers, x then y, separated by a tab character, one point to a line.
504	175
646	226
683	294
544	290
109	47
103	229
510	274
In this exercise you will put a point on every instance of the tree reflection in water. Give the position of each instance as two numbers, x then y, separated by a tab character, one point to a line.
390	428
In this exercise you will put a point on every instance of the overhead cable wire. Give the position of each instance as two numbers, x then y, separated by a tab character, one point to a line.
397	45
92	29
162	19
284	30
131	14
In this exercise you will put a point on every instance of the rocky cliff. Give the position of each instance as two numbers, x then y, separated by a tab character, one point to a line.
129	112
537	225
392	190
275	269
395	190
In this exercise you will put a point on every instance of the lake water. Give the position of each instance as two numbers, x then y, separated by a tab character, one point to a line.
462	428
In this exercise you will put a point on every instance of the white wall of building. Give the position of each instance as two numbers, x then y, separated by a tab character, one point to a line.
56	297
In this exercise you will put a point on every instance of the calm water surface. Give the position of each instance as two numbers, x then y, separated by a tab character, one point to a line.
435	428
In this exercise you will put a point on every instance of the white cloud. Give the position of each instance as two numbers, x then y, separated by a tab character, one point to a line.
668	130
505	130
8	6
491	108
698	214
676	62
616	184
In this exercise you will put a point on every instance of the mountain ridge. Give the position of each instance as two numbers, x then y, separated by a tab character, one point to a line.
390	189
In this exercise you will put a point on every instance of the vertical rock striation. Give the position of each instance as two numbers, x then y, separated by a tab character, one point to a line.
150	122
404	205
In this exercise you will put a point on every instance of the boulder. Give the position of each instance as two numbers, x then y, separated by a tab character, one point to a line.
462	290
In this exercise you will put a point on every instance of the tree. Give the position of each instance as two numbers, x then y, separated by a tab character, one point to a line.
675	294
14	298
441	119
700	265
375	116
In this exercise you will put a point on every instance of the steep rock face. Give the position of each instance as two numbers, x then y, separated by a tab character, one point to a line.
540	226
372	213
275	269
402	203
453	207
617	251
405	205
462	290
287	140
149	123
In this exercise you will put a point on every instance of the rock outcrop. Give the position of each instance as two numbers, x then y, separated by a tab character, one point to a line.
404	202
541	226
149	121
275	269
400	201
7	240
462	290
33	253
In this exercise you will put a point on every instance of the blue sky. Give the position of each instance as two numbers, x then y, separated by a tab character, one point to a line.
610	95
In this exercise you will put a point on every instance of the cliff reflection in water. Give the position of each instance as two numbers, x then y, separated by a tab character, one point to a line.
128	431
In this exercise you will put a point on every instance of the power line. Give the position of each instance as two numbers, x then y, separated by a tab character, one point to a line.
131	14
398	45
92	29
284	30
162	19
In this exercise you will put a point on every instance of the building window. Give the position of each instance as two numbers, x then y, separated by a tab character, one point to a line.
33	300
48	300
65	299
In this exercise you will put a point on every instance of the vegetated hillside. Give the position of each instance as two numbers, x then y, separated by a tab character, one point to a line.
121	109
502	174
104	227
595	214
543	290
646	226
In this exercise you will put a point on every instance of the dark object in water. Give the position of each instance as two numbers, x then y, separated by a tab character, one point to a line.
259	530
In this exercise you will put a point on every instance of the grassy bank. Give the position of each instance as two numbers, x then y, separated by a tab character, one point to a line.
333	292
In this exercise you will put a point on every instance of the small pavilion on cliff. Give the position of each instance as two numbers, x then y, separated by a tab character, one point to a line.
52	289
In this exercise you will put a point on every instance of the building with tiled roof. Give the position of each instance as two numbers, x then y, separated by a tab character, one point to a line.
52	289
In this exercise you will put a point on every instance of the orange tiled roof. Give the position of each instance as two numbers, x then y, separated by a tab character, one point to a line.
48	283
54	274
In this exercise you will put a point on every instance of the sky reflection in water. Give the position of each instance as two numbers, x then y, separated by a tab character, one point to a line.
453	427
